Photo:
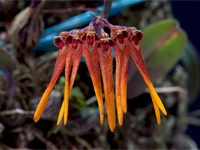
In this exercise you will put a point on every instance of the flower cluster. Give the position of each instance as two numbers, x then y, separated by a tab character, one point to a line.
98	55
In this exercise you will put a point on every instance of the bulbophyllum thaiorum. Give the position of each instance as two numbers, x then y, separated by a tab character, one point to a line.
97	51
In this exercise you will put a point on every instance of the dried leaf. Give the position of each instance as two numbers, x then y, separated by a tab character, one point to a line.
27	22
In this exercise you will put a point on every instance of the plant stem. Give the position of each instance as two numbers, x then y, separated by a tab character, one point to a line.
106	9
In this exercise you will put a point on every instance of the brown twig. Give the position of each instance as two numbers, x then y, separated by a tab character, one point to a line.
3	92
91	100
193	121
170	90
5	146
42	139
195	113
51	11
83	142
16	111
36	134
15	130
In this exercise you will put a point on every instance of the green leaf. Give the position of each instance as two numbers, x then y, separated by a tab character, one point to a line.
190	59
155	35
78	95
162	47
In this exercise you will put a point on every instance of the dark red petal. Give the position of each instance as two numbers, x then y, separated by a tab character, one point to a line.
90	40
97	38
120	37
75	43
84	37
139	35
135	40
69	39
105	46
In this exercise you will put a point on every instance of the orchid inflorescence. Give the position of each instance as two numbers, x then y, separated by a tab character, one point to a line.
96	50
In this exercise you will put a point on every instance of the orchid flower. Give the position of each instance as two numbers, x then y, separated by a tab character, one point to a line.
60	63
122	60
97	52
136	53
106	63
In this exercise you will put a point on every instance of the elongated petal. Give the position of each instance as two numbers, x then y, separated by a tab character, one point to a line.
106	63
124	77
120	35
157	99
122	60
61	113
157	111
67	92
136	54
76	62
91	59
118	57
58	68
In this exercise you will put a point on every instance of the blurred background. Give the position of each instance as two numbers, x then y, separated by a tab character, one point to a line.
171	50
191	27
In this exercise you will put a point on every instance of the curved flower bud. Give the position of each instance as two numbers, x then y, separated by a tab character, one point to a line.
60	62
106	64
90	52
73	60
136	54
119	35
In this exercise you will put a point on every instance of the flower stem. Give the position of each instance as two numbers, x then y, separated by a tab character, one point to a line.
106	8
